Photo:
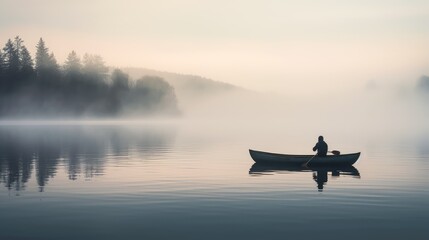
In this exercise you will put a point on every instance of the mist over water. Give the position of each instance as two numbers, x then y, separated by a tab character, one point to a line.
370	112
356	113
196	180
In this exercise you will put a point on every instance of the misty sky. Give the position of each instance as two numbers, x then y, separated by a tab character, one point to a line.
273	45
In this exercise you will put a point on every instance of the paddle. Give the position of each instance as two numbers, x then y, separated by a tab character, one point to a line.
305	164
334	152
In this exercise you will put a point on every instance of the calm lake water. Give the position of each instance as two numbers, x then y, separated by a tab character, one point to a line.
174	181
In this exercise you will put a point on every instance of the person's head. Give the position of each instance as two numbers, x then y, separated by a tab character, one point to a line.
320	138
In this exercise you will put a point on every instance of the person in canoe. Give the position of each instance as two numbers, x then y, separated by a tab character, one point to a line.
321	147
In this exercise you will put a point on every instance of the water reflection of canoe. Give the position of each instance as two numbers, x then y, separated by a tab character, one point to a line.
266	157
266	168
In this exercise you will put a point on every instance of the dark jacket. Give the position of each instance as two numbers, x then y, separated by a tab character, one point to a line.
322	148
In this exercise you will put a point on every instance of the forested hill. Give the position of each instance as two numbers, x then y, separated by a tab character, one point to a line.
40	87
84	87
189	88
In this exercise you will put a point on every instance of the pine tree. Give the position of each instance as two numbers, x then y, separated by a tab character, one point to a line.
94	67
72	63
1	72
42	57
1	63
27	65
52	62
11	58
18	44
47	67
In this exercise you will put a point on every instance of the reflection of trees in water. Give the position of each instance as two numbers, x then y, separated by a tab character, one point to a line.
16	161
82	150
47	152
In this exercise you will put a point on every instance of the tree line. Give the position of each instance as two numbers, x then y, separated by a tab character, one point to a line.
84	87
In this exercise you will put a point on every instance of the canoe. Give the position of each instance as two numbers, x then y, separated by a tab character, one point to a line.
266	157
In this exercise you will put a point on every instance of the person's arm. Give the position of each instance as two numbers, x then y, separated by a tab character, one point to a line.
315	147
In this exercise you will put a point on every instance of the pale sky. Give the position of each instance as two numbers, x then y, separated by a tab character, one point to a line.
271	45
